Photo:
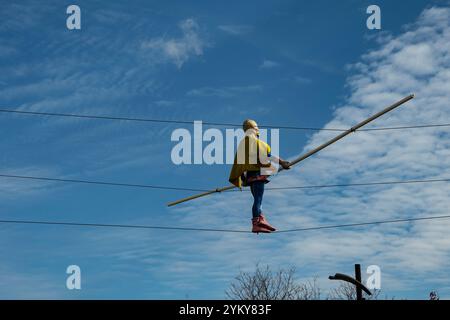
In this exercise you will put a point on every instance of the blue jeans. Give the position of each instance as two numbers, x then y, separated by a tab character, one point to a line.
257	189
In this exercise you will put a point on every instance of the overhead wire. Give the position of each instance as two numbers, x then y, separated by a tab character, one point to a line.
130	226
147	186
208	123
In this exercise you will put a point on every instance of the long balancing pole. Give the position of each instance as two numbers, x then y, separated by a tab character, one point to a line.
309	153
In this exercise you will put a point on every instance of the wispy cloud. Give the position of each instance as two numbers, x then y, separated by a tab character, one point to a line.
269	64
302	80
224	92
21	16
47	84
16	285
14	189
7	50
177	50
235	30
322	66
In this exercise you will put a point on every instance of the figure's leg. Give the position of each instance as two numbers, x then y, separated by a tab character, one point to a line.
254	211
257	189
259	193
259	223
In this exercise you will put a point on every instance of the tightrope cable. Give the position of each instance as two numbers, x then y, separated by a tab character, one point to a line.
102	225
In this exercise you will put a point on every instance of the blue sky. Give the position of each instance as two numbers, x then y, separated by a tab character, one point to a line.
280	62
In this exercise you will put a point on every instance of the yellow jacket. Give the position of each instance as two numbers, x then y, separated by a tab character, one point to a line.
252	148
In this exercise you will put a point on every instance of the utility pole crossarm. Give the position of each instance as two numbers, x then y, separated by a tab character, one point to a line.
344	277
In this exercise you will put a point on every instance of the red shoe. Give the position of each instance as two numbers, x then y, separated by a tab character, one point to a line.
258	227
263	222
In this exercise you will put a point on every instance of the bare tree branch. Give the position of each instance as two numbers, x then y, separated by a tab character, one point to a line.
347	291
264	284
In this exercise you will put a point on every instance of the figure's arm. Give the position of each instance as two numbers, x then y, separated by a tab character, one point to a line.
270	157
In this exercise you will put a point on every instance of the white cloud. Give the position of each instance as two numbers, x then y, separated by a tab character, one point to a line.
236	29
177	50
407	59
269	64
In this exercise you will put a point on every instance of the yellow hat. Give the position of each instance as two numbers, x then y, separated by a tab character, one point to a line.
248	124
